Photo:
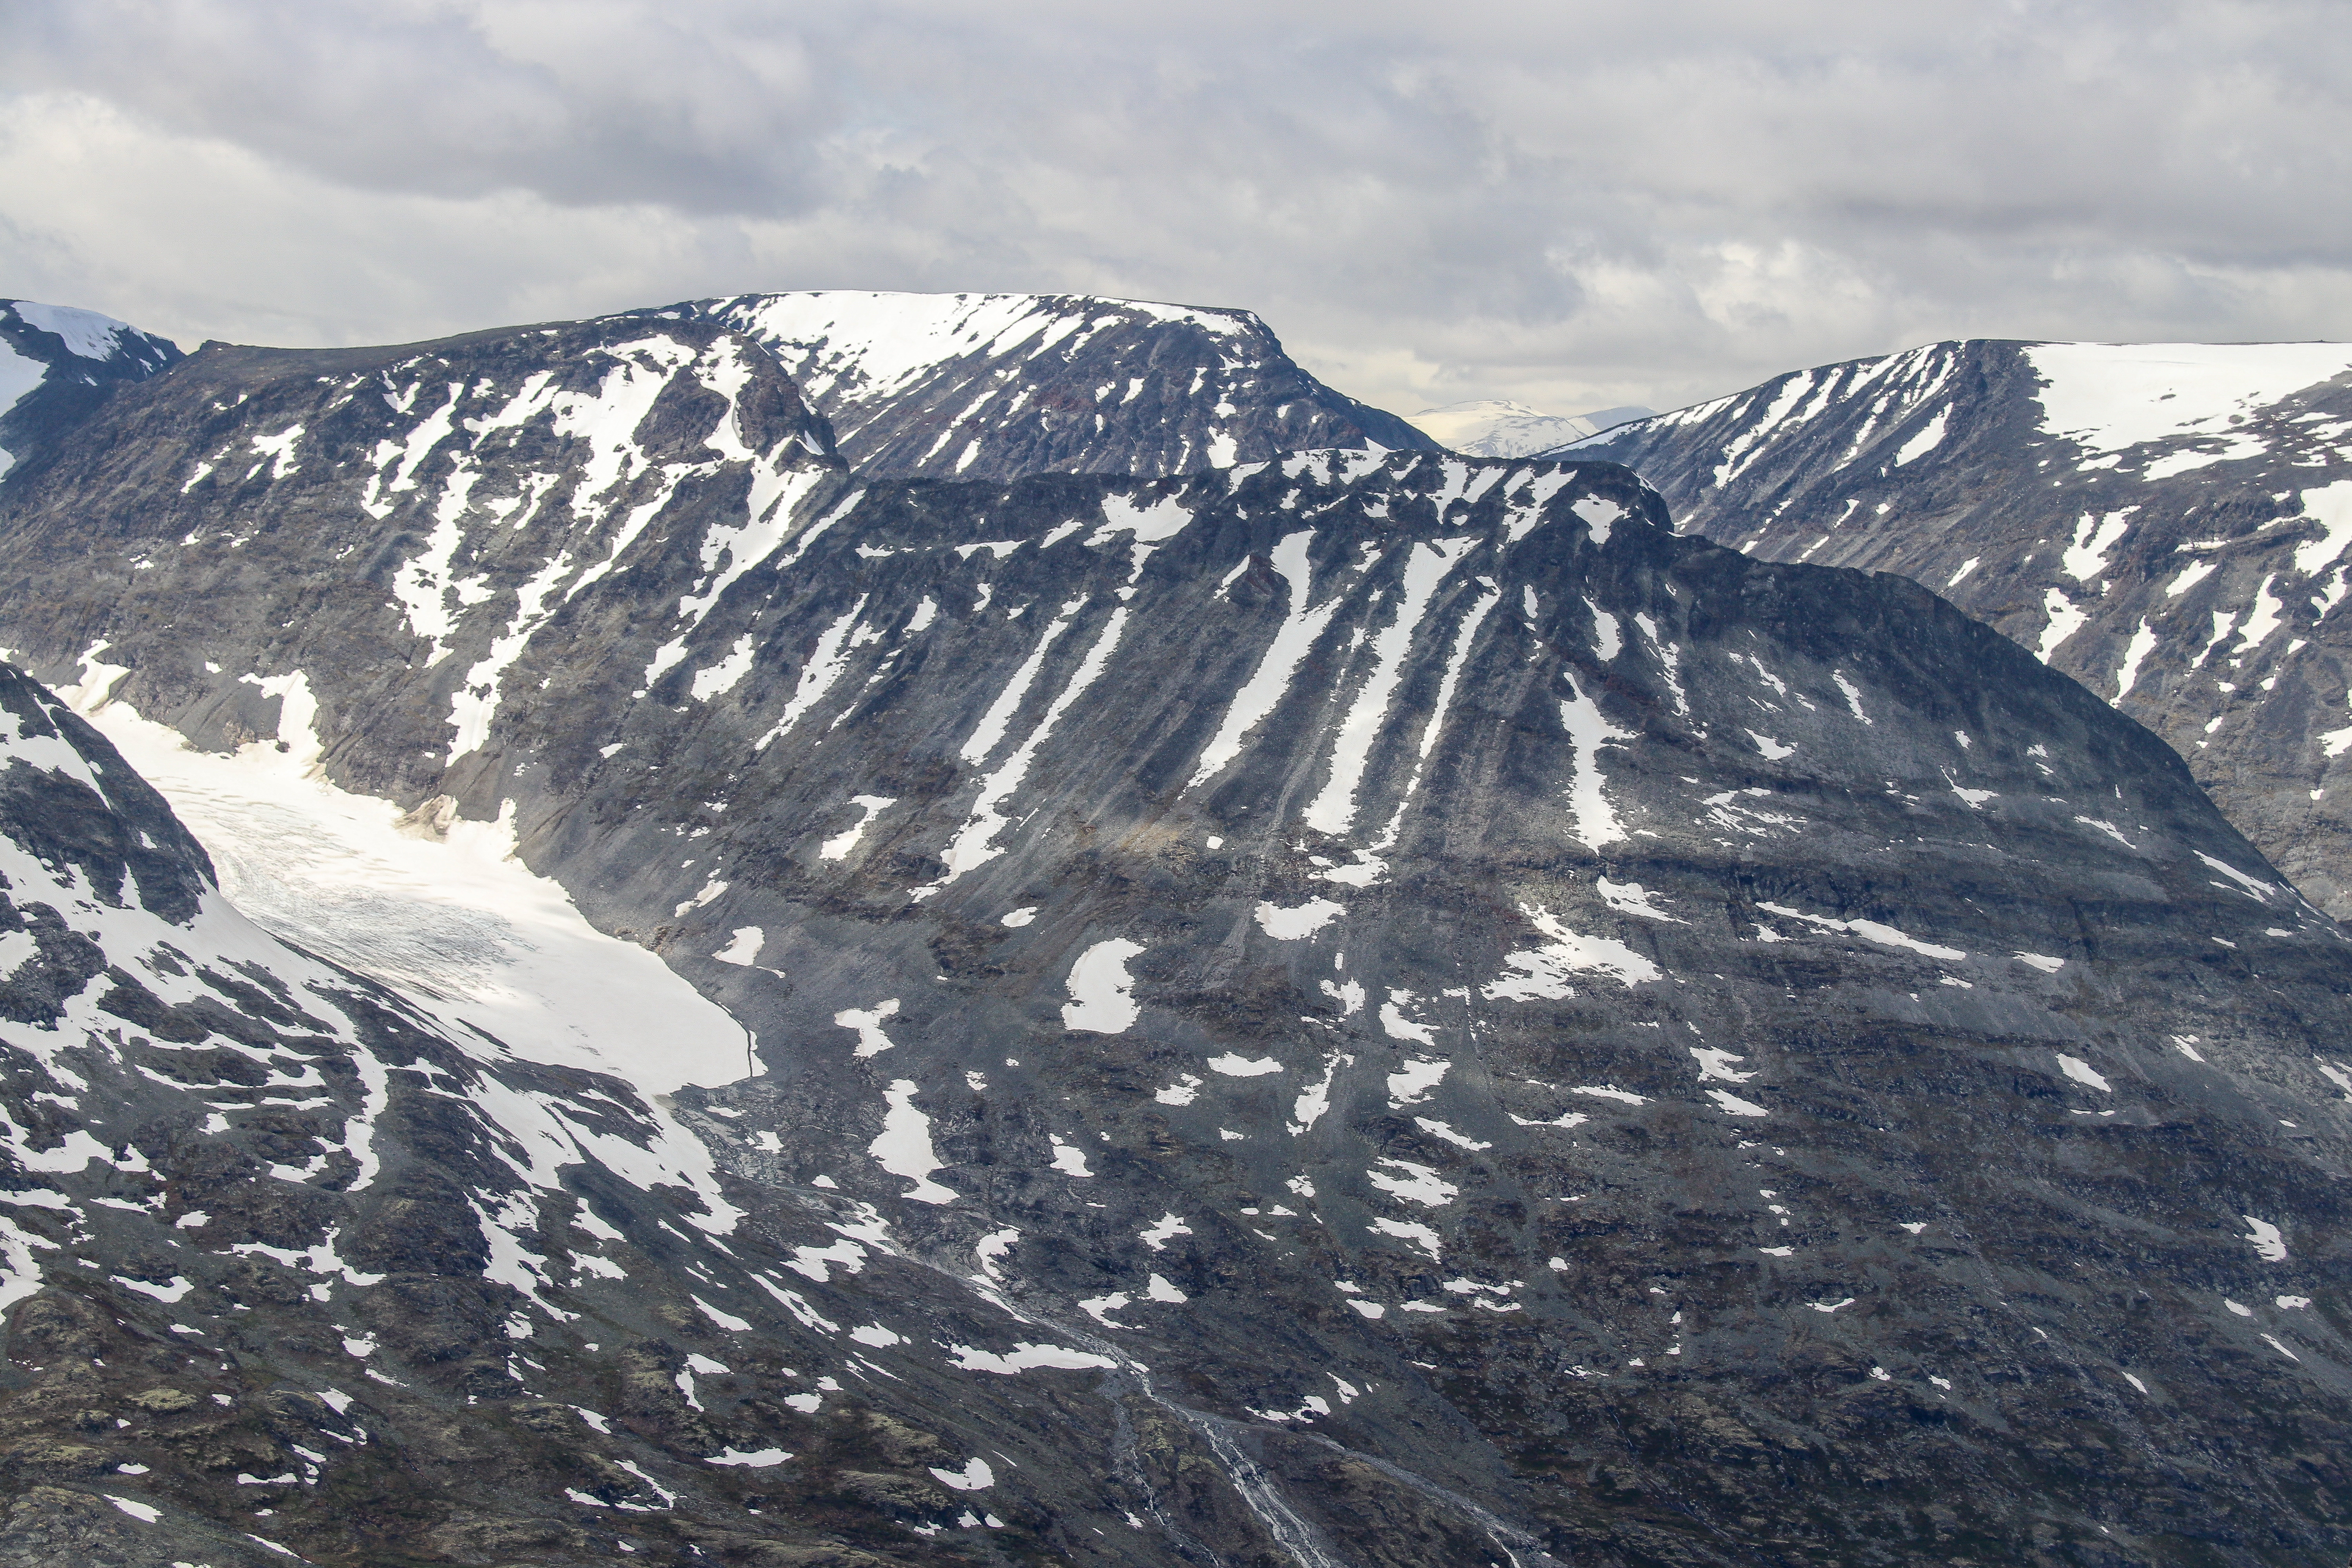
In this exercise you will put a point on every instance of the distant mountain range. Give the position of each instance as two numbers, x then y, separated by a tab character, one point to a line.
2166	522
702	990
1493	430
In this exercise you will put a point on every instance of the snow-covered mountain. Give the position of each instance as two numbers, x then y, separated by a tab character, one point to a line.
1499	429
990	386
2166	522
57	363
1366	1007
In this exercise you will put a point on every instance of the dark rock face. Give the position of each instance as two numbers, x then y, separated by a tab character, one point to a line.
1365	1008
992	387
2165	522
57	364
288	1266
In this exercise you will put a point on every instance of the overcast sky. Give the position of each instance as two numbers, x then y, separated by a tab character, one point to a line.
1567	203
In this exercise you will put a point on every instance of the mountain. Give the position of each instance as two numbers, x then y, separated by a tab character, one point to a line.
2165	522
295	1268
992	387
56	363
1495	430
1364	1008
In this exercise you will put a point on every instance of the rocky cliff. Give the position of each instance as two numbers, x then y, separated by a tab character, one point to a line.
1363	1008
2165	522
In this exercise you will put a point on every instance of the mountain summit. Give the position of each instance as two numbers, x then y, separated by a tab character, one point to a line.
990	386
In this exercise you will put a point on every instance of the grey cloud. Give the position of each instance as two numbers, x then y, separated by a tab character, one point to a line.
1571	205
579	103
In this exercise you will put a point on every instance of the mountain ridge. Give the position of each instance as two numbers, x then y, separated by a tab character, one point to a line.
56	363
2165	522
1365	1007
1049	381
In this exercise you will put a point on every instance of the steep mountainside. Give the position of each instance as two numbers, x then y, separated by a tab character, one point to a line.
56	363
294	1268
1363	1009
1491	429
2165	522
992	387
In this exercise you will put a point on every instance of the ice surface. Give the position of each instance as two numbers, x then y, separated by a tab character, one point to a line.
1588	799
1026	1358
1415	1184
85	332
1410	1084
2107	397
1543	972
1300	627
1334	808
867	1023
904	1148
1102	992
1292	924
870	807
454	919
1872	930
2330	507
1232	1064
2082	1072
19	375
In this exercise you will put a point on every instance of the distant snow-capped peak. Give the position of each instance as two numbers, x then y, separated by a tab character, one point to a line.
1496	428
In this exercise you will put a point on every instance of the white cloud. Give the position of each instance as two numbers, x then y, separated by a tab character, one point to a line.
1572	205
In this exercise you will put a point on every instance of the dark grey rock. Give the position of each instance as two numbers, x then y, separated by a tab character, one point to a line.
992	387
2193	577
1783	1076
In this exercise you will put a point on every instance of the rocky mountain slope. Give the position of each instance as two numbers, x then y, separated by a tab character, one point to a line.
1498	429
294	1269
57	364
1369	1008
991	386
2165	522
